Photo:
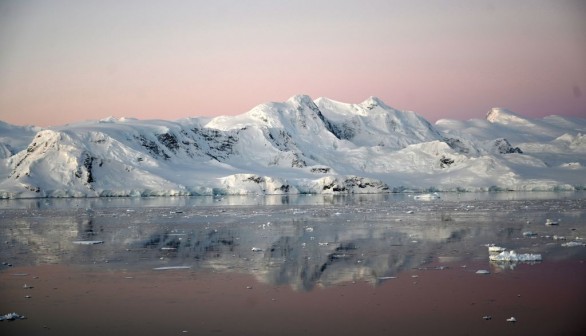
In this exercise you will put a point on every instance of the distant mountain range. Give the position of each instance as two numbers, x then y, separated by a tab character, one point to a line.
298	146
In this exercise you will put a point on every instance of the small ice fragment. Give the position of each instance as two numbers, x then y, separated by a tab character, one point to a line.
487	317
493	248
170	268
573	244
410	212
529	234
27	286
552	222
309	229
386	277
256	249
512	319
168	248
482	272
27	296
88	242
556	237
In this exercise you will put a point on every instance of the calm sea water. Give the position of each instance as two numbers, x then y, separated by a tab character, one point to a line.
388	261
298	240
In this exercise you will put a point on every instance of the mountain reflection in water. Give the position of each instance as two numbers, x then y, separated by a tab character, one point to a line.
304	242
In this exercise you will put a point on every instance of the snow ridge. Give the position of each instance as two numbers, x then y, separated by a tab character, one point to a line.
297	146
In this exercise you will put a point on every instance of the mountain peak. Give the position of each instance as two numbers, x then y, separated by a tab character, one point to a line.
503	116
372	102
301	99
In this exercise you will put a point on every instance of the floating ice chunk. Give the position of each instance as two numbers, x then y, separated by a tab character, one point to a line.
165	268
482	272
410	212
11	317
88	242
386	277
427	197
487	317
573	244
513	256
552	222
309	229
494	248
512	319
256	249
529	234
556	237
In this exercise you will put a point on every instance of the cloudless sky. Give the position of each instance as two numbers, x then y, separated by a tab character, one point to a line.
63	61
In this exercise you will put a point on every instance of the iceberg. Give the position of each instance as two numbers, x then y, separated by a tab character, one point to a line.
11	317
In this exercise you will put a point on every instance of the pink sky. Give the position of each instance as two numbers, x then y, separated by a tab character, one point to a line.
66	61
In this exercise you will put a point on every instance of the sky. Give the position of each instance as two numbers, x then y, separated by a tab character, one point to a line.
63	61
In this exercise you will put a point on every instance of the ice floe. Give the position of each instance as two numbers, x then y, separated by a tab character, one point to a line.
494	248
88	242
512	256
427	197
573	244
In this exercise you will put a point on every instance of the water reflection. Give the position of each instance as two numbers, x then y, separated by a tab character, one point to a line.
293	200
309	241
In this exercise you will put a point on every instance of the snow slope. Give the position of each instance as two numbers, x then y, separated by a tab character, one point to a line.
297	146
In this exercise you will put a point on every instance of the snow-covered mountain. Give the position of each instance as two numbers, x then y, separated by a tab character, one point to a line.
297	146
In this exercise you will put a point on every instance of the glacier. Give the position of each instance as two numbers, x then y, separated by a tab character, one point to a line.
300	146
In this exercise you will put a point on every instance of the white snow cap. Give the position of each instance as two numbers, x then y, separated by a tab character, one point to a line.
294	147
